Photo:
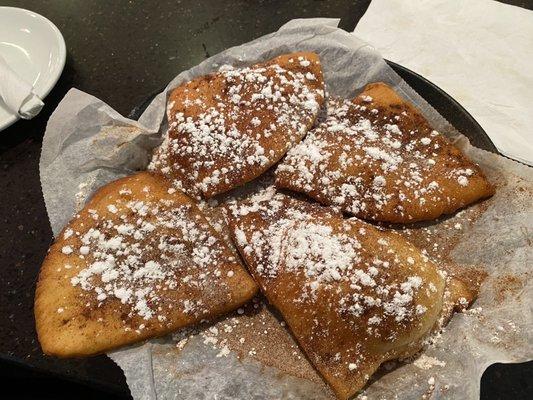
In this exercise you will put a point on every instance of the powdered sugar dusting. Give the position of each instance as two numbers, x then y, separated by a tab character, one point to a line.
139	252
384	165
369	283
261	112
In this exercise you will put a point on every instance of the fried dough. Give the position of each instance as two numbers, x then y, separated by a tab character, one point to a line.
378	158
137	262
229	127
353	296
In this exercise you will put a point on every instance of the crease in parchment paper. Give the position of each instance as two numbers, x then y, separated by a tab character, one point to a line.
87	144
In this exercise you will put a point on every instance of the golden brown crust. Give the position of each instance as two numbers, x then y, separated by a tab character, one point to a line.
140	210
378	158
229	127
353	296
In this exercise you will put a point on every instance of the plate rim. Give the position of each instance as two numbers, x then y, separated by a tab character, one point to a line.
395	66
62	56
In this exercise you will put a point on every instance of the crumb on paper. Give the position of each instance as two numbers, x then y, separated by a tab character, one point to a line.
426	362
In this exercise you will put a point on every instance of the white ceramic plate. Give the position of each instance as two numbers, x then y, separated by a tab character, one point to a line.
34	48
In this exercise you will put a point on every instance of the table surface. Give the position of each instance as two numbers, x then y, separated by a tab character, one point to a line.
122	51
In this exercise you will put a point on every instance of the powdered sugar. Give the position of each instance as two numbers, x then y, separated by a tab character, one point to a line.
66	250
127	262
300	237
376	165
426	362
213	141
335	279
326	256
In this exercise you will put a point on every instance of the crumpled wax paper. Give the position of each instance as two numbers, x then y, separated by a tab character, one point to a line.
87	144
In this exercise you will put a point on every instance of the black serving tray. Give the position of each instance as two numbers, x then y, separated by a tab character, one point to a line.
23	247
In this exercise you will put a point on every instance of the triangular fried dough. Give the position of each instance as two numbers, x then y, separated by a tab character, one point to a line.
138	261
378	158
353	296
229	127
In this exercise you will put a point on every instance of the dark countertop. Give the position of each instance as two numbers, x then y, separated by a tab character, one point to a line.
121	52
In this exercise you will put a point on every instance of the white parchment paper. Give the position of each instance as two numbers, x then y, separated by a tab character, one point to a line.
87	144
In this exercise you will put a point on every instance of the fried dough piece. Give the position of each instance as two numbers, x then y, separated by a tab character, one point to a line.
378	158
138	261
229	127
353	296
